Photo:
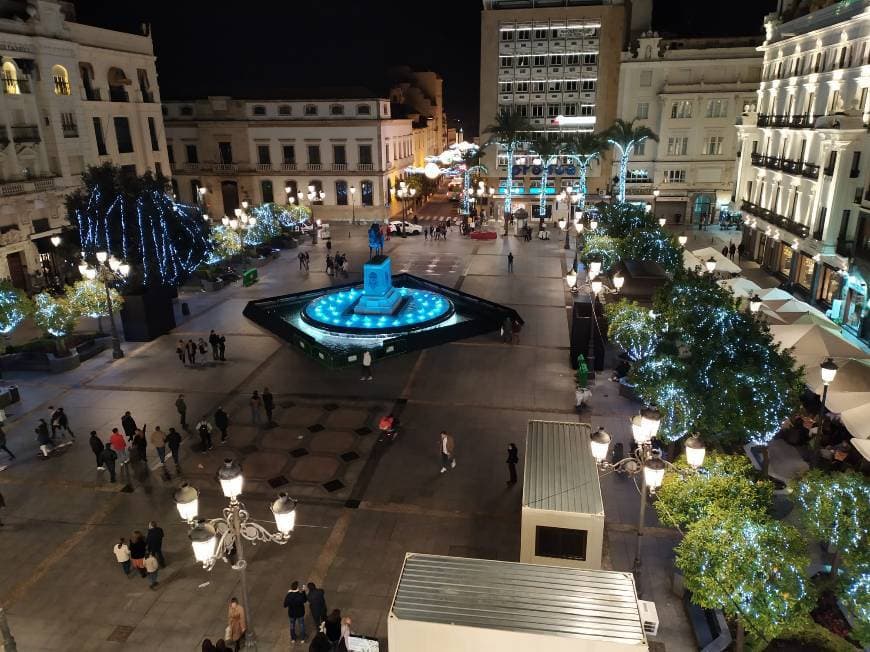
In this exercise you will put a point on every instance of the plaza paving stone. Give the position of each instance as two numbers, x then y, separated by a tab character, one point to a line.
63	516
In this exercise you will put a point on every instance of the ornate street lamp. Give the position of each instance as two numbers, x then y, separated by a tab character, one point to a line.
710	264
754	304
110	272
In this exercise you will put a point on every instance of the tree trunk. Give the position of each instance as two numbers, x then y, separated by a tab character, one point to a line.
510	182
738	644
100	324
542	200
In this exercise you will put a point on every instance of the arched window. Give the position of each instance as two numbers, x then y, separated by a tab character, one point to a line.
266	189
10	79
291	189
317	187
367	193
341	193
118	83
61	80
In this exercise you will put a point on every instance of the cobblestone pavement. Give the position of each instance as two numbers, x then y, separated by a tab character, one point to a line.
363	505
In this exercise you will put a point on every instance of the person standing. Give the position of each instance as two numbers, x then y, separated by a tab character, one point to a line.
139	448
117	444
181	406
316	604
294	603
97	446
512	459
236	623
222	422
447	452
60	421
366	366
107	460
3	444
732	249
158	441
725	251
256	404
152	568
180	351
154	541
204	430
191	352
740	251
222	347
268	405
173	441
122	554
510	262
138	548
213	340
43	438
129	425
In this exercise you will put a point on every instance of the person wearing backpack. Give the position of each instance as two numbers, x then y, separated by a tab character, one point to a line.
204	430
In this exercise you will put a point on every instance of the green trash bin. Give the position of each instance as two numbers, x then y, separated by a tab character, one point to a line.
249	277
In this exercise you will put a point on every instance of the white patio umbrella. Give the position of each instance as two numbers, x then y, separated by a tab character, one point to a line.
813	317
863	447
809	342
838	402
857	421
741	287
723	264
796	305
690	261
852	376
775	294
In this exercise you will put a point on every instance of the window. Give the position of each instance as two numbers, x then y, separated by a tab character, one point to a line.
540	60
225	152
341	193
537	110
288	153
713	145
310	109
541	34
264	157
587	109
317	186
123	135
187	110
561	543
830	285
314	155
554	33
336	109
191	153
717	108
675	176
523	34
855	170
835	102
640	148
367	193
805	269
555	59
522	62
572	59
284	109
538	86
588	85
194	189
553	110
505	87
170	152
266	189
571	86
363	109
259	109
681	109
555	87
339	154
646	78
61	80
98	134
507	35
68	125
506	62
749	105
590	59
678	145
786	253
365	154
570	109
291	189
642	110
522	110
523	87
152	133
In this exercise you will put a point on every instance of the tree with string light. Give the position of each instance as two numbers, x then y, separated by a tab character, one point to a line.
548	151
55	316
584	148
624	137
509	131
14	306
632	328
88	298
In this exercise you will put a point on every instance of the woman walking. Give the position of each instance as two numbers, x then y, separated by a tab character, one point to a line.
236	624
137	552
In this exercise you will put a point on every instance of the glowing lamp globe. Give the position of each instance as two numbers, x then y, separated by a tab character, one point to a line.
205	216
225	220
695	452
571	278
651	419
662	222
683	239
114	264
83	270
245	205
284	510
600	442
90	273
596	286
252	221
829	371
203	538
431	171
594	268
102	256
234	224
124	269
593	224
754	303
187	502
654	473
562	223
710	264
231	478
618	282
638	432
578	227
238	212
55	240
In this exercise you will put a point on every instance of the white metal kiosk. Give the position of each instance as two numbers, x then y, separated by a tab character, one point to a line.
563	512
451	604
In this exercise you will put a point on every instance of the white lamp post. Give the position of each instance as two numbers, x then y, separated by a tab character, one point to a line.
828	371
353	204
754	304
683	239
110	272
600	442
618	282
710	264
662	221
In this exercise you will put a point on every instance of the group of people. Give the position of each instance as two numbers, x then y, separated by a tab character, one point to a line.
132	446
304	260
731	249
331	632
188	351
143	552
337	265
438	232
48	432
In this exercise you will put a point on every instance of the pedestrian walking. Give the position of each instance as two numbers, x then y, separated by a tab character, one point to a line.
138	548
329	265
512	460
222	422
725	251
222	347
204	430
329	245
307	261
301	258
117	444
154	541
43	438
268	405
256	404
181	406
158	441
97	446
139	447
294	603
510	262
203	348
3	444
740	251
129	425
316	604
152	568
173	441
448	460
60	421
236	623
107	460
732	249
425	233
366	366
213	340
122	554
191	352
180	350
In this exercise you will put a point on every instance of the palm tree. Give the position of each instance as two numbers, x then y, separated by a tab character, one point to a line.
625	137
583	148
508	131
548	151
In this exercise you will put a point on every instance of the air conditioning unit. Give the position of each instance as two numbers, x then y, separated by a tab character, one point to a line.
649	617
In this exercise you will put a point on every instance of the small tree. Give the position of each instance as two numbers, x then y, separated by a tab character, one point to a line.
267	224
508	131
753	569
225	243
632	328
88	298
56	316
654	245
600	247
855	594
624	136
14	307
548	151
724	483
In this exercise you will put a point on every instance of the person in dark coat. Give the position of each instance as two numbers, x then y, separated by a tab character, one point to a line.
60	421
3	444
173	441
294	602
222	422
191	351
97	446
181	406
139	446
108	457
512	460
129	425
222	347
268	405
214	340
732	249
138	548
154	541
316	604
43	438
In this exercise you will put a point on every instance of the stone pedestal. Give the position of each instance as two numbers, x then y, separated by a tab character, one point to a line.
379	296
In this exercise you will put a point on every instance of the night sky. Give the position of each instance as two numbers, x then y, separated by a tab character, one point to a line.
264	45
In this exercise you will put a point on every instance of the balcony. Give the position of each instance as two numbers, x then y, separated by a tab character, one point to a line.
70	131
118	94
191	167
225	168
26	134
263	167
314	167
787	165
23	187
339	167
365	167
805	121
16	85
288	166
845	248
800	230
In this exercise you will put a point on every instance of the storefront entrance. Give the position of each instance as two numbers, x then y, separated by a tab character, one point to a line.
17	269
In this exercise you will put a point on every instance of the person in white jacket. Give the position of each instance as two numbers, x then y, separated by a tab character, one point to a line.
122	554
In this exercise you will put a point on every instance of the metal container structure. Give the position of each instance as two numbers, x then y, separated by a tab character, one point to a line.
563	512
451	604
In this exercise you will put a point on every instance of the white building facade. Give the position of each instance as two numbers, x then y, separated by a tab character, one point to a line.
802	182
689	92
72	96
254	150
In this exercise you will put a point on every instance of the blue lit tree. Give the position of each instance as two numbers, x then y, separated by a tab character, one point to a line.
653	245
508	131
267	225
633	329
583	149
624	137
600	247
548	151
136	220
